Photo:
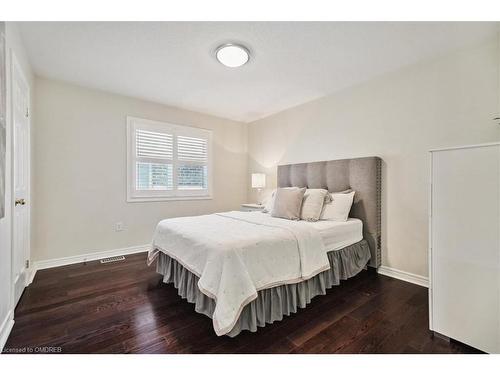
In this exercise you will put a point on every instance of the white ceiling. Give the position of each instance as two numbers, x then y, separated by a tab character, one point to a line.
291	62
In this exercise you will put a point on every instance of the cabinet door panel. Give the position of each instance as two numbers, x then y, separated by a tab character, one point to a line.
465	245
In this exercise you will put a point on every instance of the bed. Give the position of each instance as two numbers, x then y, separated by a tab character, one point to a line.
248	269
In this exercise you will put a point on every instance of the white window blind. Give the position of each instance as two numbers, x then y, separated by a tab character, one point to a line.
167	161
191	149
154	144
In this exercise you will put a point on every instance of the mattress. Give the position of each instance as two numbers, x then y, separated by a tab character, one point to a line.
337	234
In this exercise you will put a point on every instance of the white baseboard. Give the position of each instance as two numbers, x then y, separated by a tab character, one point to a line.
403	275
31	275
51	263
5	329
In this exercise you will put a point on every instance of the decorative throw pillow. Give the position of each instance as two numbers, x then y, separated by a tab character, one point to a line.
312	205
339	208
288	202
269	202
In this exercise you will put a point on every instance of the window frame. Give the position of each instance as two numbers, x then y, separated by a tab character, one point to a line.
134	195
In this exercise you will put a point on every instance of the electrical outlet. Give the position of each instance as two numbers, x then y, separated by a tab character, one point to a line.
119	227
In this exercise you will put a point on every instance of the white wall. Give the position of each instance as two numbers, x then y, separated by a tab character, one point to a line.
13	45
399	117
80	170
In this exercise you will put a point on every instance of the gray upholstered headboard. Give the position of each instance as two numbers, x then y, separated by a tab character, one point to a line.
362	175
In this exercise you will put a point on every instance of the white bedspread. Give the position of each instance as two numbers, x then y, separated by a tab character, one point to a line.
235	254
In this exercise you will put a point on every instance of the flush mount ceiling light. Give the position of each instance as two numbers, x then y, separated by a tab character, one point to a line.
232	55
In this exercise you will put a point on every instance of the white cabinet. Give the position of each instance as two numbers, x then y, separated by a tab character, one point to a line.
464	254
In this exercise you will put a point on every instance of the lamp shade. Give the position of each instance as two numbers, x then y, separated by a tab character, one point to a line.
258	180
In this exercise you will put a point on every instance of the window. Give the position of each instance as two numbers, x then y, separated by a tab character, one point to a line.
167	161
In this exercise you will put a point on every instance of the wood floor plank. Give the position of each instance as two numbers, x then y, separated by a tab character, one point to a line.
124	307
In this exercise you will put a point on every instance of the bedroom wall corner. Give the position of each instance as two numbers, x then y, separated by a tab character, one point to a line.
399	116
80	171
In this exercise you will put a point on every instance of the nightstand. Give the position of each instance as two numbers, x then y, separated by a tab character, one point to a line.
251	207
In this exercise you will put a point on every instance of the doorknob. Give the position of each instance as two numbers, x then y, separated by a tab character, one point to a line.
21	202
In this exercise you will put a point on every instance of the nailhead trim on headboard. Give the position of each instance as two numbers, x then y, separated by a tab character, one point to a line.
379	212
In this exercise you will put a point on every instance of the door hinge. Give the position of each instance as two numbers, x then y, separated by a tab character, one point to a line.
27	112
27	263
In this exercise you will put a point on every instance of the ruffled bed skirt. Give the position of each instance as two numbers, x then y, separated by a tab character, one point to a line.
273	303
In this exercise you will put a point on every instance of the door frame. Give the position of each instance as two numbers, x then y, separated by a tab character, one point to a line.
17	71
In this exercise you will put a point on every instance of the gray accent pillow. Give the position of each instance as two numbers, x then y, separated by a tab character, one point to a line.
287	203
312	206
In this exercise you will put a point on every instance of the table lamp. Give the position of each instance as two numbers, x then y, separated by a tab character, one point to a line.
258	182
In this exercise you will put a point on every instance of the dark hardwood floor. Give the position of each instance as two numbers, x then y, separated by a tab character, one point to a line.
125	308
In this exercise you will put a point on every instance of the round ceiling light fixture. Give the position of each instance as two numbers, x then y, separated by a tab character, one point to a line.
232	55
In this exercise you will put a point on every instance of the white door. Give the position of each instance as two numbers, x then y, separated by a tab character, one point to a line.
21	173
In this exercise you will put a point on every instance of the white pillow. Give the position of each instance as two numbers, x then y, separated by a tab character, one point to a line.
312	205
339	208
269	202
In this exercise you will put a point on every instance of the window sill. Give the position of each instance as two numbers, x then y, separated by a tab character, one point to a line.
164	199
